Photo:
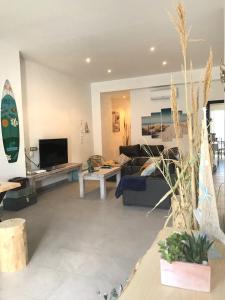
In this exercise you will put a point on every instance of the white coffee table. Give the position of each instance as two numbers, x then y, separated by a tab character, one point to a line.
101	175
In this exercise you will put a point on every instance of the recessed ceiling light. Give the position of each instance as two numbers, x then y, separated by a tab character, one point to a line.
124	96
152	49
88	60
164	63
109	71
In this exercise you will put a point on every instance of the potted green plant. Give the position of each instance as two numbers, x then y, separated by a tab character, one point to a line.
113	295
184	261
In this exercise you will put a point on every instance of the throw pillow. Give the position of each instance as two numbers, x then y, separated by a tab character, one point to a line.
149	170
153	159
123	159
151	150
150	161
171	153
130	151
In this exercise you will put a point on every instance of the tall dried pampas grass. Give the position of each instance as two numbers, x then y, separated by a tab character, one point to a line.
184	191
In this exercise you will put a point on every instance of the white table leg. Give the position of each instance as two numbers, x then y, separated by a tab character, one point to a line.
102	188
81	183
118	177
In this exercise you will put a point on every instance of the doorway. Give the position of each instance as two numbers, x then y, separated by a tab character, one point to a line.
216	117
115	119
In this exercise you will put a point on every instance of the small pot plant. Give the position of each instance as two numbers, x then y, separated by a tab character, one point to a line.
113	295
184	261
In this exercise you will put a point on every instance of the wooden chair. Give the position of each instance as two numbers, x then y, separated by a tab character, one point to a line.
221	148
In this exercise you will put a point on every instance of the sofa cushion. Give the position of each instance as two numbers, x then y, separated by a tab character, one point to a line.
130	170
149	170
156	188
169	157
139	161
171	153
153	159
123	159
131	151
151	150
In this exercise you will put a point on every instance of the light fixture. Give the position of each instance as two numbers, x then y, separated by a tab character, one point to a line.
152	49
109	71
164	63
88	60
86	128
124	96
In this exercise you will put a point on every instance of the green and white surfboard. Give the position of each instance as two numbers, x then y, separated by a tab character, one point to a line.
10	124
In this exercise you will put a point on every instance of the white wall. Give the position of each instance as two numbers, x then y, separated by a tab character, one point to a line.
142	105
133	84
10	69
106	120
54	105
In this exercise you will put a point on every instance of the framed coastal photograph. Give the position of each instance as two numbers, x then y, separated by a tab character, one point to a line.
151	125
168	132
145	125
183	123
160	125
115	121
156	125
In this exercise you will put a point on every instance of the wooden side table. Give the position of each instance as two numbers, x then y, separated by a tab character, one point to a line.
13	245
145	284
6	186
13	238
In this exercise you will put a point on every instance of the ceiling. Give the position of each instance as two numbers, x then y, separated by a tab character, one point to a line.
117	95
116	34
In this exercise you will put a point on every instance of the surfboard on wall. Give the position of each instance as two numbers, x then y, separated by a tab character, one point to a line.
10	124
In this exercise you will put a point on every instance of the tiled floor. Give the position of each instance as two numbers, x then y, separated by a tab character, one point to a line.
219	180
219	175
79	246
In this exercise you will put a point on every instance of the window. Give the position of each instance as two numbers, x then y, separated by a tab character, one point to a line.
217	119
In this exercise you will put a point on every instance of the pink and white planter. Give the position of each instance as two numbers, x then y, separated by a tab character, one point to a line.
186	275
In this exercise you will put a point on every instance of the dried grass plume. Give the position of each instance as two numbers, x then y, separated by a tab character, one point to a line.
208	78
180	25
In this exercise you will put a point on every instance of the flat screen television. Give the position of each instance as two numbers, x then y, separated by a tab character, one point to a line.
53	152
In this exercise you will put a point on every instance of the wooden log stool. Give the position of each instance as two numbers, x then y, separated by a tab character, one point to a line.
13	245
